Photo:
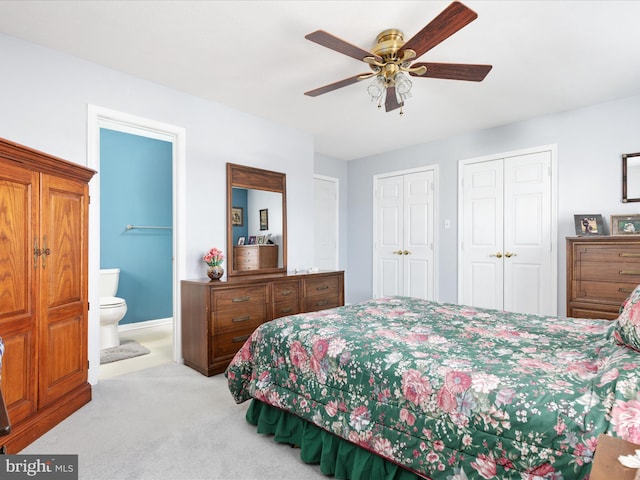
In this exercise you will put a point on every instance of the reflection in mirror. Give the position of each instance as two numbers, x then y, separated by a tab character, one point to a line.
262	222
256	221
631	177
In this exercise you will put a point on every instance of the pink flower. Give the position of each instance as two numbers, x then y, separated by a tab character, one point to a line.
625	418
446	400
485	465
360	418
457	382
407	416
320	348
415	387
331	408
213	257
298	355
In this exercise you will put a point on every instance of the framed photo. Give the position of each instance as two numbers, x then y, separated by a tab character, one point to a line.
589	224
625	224
252	240
260	239
237	216
264	219
241	240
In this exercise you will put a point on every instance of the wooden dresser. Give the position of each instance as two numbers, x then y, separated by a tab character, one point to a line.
601	273
255	257
218	316
44	205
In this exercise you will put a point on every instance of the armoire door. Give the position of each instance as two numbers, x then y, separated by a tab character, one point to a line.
404	247
63	278
19	193
506	257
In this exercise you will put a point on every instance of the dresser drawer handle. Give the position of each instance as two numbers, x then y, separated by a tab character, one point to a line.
284	293
239	339
241	299
320	304
323	287
286	310
632	255
241	319
629	272
625	290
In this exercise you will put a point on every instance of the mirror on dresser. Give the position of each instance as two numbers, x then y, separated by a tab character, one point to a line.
256	214
631	177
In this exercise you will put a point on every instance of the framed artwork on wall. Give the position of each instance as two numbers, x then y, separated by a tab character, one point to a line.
588	224
625	224
237	216
264	219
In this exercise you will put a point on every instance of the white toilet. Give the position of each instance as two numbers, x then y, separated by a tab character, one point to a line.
112	308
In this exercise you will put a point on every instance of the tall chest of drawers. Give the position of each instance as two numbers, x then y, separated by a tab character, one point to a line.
217	317
601	273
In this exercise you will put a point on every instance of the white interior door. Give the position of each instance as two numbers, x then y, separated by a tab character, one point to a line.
507	230
326	223
405	238
482	219
527	234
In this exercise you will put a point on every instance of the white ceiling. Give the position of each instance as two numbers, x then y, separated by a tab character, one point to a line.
547	56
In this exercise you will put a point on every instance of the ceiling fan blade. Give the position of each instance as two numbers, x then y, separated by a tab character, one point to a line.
452	19
336	85
391	102
454	71
334	43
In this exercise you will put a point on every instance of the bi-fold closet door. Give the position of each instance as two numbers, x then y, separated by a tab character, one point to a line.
405	238
507	252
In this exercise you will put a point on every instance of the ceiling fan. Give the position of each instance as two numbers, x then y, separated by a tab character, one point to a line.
390	59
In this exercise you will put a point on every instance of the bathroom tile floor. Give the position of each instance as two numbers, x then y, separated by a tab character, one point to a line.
158	339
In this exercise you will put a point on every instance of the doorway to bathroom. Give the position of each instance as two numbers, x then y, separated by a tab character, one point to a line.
135	225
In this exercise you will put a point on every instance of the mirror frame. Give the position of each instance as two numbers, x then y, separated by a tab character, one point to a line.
624	177
240	176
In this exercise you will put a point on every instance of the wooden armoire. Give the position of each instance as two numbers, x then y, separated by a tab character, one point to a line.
44	305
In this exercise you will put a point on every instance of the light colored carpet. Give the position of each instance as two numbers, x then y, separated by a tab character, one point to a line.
169	422
126	349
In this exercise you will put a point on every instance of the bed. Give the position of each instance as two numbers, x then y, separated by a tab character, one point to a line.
445	391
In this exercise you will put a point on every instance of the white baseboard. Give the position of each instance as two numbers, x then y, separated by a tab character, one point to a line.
126	327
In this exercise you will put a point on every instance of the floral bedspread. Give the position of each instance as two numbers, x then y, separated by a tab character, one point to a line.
448	391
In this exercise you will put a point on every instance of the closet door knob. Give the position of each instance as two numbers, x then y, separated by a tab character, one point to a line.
509	254
407	252
497	255
397	252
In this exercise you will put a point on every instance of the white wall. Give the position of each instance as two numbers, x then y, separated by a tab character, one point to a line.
43	104
590	143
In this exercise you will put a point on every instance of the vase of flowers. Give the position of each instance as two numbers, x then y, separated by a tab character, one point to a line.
213	258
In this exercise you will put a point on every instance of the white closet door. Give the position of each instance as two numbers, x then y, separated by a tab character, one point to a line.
527	234
405	238
389	236
418	235
506	257
482	226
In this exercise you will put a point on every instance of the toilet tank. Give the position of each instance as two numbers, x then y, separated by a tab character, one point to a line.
109	282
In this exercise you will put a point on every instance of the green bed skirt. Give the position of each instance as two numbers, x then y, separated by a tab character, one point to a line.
336	456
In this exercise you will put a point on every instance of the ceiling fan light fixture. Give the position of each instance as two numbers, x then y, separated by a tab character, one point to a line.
403	86
376	88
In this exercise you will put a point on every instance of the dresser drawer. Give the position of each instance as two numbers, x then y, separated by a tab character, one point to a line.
321	286
229	343
239	319
608	253
284	308
313	304
285	291
608	292
241	297
613	271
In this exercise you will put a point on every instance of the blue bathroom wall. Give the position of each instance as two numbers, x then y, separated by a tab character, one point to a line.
136	189
239	199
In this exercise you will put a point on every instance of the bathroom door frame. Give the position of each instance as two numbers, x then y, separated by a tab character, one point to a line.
98	118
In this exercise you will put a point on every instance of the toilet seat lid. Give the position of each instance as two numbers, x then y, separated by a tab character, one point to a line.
111	301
